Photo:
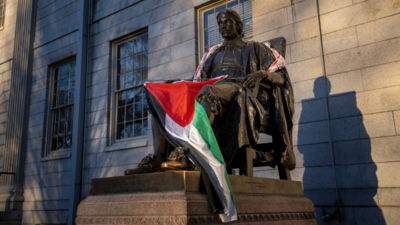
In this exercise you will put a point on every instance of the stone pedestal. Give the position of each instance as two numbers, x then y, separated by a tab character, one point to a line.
173	198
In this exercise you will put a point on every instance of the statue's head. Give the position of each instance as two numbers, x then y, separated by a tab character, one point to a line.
229	24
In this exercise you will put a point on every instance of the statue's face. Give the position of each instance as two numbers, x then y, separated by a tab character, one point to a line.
227	26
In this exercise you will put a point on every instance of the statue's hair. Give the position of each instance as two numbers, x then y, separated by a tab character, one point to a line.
236	18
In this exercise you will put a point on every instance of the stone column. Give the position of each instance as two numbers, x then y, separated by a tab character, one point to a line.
11	190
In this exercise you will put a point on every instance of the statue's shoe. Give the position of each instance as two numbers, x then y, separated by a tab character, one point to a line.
173	165
148	164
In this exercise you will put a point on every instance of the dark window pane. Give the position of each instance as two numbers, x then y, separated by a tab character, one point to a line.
54	100
245	7
120	66
129	113
69	118
234	5
72	69
55	88
60	143
137	45
136	78
145	127
209	19
121	98
128	80
136	61
145	40
121	51
129	96
210	36
121	114
120	82
129	48
138	111
72	82
128	64
128	130
144	75
71	96
56	74
62	73
137	128
217	10
138	94
145	109
55	128
120	131
248	24
54	143
144	59
68	141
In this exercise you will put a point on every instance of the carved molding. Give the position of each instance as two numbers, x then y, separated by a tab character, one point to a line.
191	220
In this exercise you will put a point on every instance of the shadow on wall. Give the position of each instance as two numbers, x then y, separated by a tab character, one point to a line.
357	181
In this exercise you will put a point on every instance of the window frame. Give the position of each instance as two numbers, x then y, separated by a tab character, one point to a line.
3	17
200	20
113	103
49	112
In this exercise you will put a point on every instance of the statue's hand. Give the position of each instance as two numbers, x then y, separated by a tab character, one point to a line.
254	78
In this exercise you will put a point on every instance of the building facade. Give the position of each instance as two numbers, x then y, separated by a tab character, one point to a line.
72	106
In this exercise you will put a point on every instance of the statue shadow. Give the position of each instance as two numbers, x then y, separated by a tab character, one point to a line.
357	181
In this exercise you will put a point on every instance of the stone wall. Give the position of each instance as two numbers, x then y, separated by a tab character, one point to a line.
47	180
355	111
7	34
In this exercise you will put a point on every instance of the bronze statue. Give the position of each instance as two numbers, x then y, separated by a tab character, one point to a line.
238	106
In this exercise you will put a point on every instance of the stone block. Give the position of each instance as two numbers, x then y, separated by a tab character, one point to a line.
33	156
95	146
174	68
159	57
172	38
340	40
272	174
311	133
378	30
110	7
103	171
97	104
182	19
99	90
47	193
348	219
170	9
358	14
97	131
382	100
45	205
39	73
129	26
321	197
313	155
38	85
358	176
100	50
381	76
304	10
34	144
310	111
100	63
348	104
184	49
376	215
314	177
197	3
270	21
346	82
365	56
50	217
159	28
97	118
123	157
306	29
326	6
387	174
307	49
89	161
305	70
397	121
287	32
359	197
388	196
36	131
261	7
100	76
35	120
308	90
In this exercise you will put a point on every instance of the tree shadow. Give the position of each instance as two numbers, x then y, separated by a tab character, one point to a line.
355	169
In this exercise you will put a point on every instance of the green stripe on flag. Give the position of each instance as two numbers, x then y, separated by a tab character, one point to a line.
202	124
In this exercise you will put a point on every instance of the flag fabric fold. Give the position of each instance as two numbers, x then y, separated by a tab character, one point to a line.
184	122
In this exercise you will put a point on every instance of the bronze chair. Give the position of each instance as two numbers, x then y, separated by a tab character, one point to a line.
246	166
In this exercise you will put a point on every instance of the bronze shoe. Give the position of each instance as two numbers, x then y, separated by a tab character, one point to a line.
172	165
147	165
178	160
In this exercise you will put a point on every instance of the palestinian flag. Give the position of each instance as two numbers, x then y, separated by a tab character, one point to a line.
184	122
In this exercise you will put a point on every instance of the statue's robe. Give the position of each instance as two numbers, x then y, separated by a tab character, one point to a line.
238	113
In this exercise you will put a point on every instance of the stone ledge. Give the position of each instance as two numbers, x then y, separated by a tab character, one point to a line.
129	145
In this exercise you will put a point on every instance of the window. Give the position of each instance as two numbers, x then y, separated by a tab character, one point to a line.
2	12
130	105
209	27
62	107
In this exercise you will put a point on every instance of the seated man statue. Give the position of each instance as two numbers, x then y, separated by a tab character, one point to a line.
240	105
